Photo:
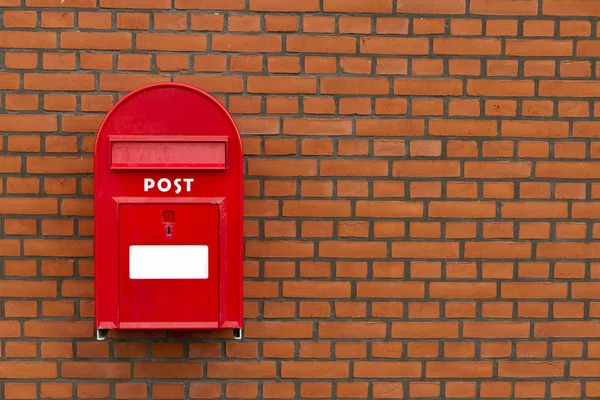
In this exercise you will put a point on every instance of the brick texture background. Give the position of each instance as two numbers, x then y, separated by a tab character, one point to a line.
421	196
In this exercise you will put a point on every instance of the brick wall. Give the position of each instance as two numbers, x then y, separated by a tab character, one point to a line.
420	196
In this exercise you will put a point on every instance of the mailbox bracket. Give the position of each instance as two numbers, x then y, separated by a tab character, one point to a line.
238	333
101	334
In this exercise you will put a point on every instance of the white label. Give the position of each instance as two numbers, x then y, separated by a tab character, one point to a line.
165	185
168	262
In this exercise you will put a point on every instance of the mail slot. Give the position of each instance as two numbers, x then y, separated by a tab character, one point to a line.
168	203
168	152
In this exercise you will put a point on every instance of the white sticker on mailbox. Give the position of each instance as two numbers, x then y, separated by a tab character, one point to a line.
168	262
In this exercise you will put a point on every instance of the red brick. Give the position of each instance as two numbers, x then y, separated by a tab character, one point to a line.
427	86
463	290
279	248
314	369
500	88
466	27
353	168
502	68
354	86
318	24
316	126
95	40
562	8
246	43
498	250
20	61
435	7
392	45
340	249
28	369
387	25
276	6
19	19
356	330
57	19
462	128
9	81
130	390
501	169
532	369
384	209
240	370
566	88
448	369
460	46
27	40
158	4
345	6
462	209
59	82
168	370
137	21
423	249
324	44
496	329
279	84
534	210
539	47
56	390
504	7
538	28
389	127
429	26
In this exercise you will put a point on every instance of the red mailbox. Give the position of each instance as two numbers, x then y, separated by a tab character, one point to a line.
168	203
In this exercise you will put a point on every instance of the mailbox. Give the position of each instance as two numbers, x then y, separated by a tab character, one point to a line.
168	203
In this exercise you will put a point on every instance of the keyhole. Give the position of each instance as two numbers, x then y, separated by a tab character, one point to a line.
168	230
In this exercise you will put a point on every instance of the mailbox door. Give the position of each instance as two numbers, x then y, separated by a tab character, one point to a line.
168	266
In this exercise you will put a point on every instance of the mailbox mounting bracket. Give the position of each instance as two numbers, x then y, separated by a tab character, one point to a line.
238	333
101	334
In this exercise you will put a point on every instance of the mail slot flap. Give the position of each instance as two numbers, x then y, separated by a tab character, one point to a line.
168	152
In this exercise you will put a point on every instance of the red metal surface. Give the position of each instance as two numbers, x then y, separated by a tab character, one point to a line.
177	137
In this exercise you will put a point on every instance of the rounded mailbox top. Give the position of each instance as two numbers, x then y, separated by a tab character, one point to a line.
165	109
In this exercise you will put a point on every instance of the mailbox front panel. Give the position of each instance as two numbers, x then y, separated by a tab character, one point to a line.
168	265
